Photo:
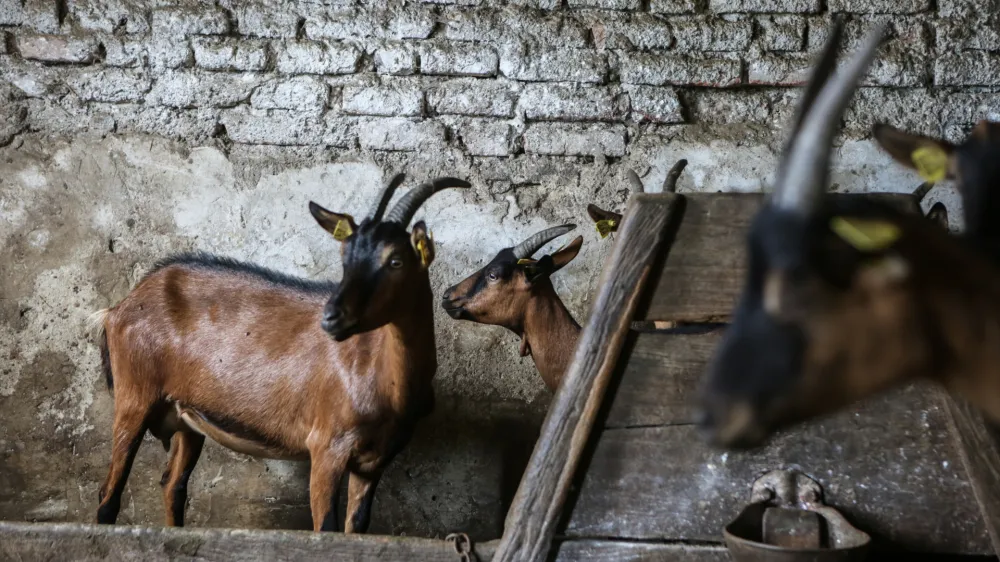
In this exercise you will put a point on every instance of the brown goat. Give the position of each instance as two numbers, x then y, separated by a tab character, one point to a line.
846	298
280	367
609	221
516	292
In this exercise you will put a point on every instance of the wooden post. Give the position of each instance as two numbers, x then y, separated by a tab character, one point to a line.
537	506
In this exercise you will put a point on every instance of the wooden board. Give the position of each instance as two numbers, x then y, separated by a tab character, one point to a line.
538	504
705	267
623	551
980	447
74	542
891	466
659	382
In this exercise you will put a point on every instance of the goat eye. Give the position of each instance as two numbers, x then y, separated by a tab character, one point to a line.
492	276
395	263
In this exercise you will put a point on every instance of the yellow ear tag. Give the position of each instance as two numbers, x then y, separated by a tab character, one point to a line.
343	230
425	250
865	235
523	261
606	226
931	163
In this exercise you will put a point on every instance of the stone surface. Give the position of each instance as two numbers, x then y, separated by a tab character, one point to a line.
484	137
192	88
566	65
680	70
397	134
189	20
302	93
575	140
458	59
472	97
767	6
782	33
54	48
572	103
385	100
713	34
316	57
229	54
653	104
110	85
396	58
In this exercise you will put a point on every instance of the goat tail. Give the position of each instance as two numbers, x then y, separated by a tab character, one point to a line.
96	324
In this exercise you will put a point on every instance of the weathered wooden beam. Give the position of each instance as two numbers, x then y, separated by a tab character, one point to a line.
980	453
625	551
538	503
75	542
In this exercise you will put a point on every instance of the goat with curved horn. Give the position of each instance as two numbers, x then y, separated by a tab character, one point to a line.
516	292
287	368
799	344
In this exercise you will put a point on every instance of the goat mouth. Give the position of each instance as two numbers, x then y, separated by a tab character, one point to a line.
342	330
456	312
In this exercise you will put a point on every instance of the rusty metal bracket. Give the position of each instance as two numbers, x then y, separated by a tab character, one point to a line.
788	521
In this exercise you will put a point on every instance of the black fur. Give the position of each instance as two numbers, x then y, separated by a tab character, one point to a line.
106	362
202	260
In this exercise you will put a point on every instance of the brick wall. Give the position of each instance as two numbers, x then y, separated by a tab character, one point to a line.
134	128
572	78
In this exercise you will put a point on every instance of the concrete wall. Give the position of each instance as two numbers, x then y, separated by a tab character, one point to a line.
130	129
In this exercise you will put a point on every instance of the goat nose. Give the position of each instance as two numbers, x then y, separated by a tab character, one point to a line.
447	294
330	317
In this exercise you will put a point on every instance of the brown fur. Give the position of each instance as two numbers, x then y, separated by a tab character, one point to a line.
247	351
529	308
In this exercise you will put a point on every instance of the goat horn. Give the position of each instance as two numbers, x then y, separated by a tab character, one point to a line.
923	190
633	178
805	166
383	200
670	182
407	206
539	239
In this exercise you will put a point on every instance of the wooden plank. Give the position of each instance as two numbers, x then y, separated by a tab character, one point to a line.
978	445
538	504
624	551
75	542
705	267
659	382
890	465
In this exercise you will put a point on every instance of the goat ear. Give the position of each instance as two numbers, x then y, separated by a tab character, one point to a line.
931	157
564	255
605	221
340	225
423	244
536	270
939	215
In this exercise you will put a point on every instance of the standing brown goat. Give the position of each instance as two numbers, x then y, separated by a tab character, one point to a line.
515	291
280	367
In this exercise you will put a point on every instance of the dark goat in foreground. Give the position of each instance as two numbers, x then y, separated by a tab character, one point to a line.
279	367
844	299
515	291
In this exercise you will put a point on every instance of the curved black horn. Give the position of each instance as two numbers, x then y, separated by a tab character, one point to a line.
633	178
804	169
383	200
407	206
539	239
670	182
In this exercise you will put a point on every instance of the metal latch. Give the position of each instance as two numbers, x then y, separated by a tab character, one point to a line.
788	521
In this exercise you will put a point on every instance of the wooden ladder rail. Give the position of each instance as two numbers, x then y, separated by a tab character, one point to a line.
538	505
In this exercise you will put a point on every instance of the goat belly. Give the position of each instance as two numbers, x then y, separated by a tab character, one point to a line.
200	423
